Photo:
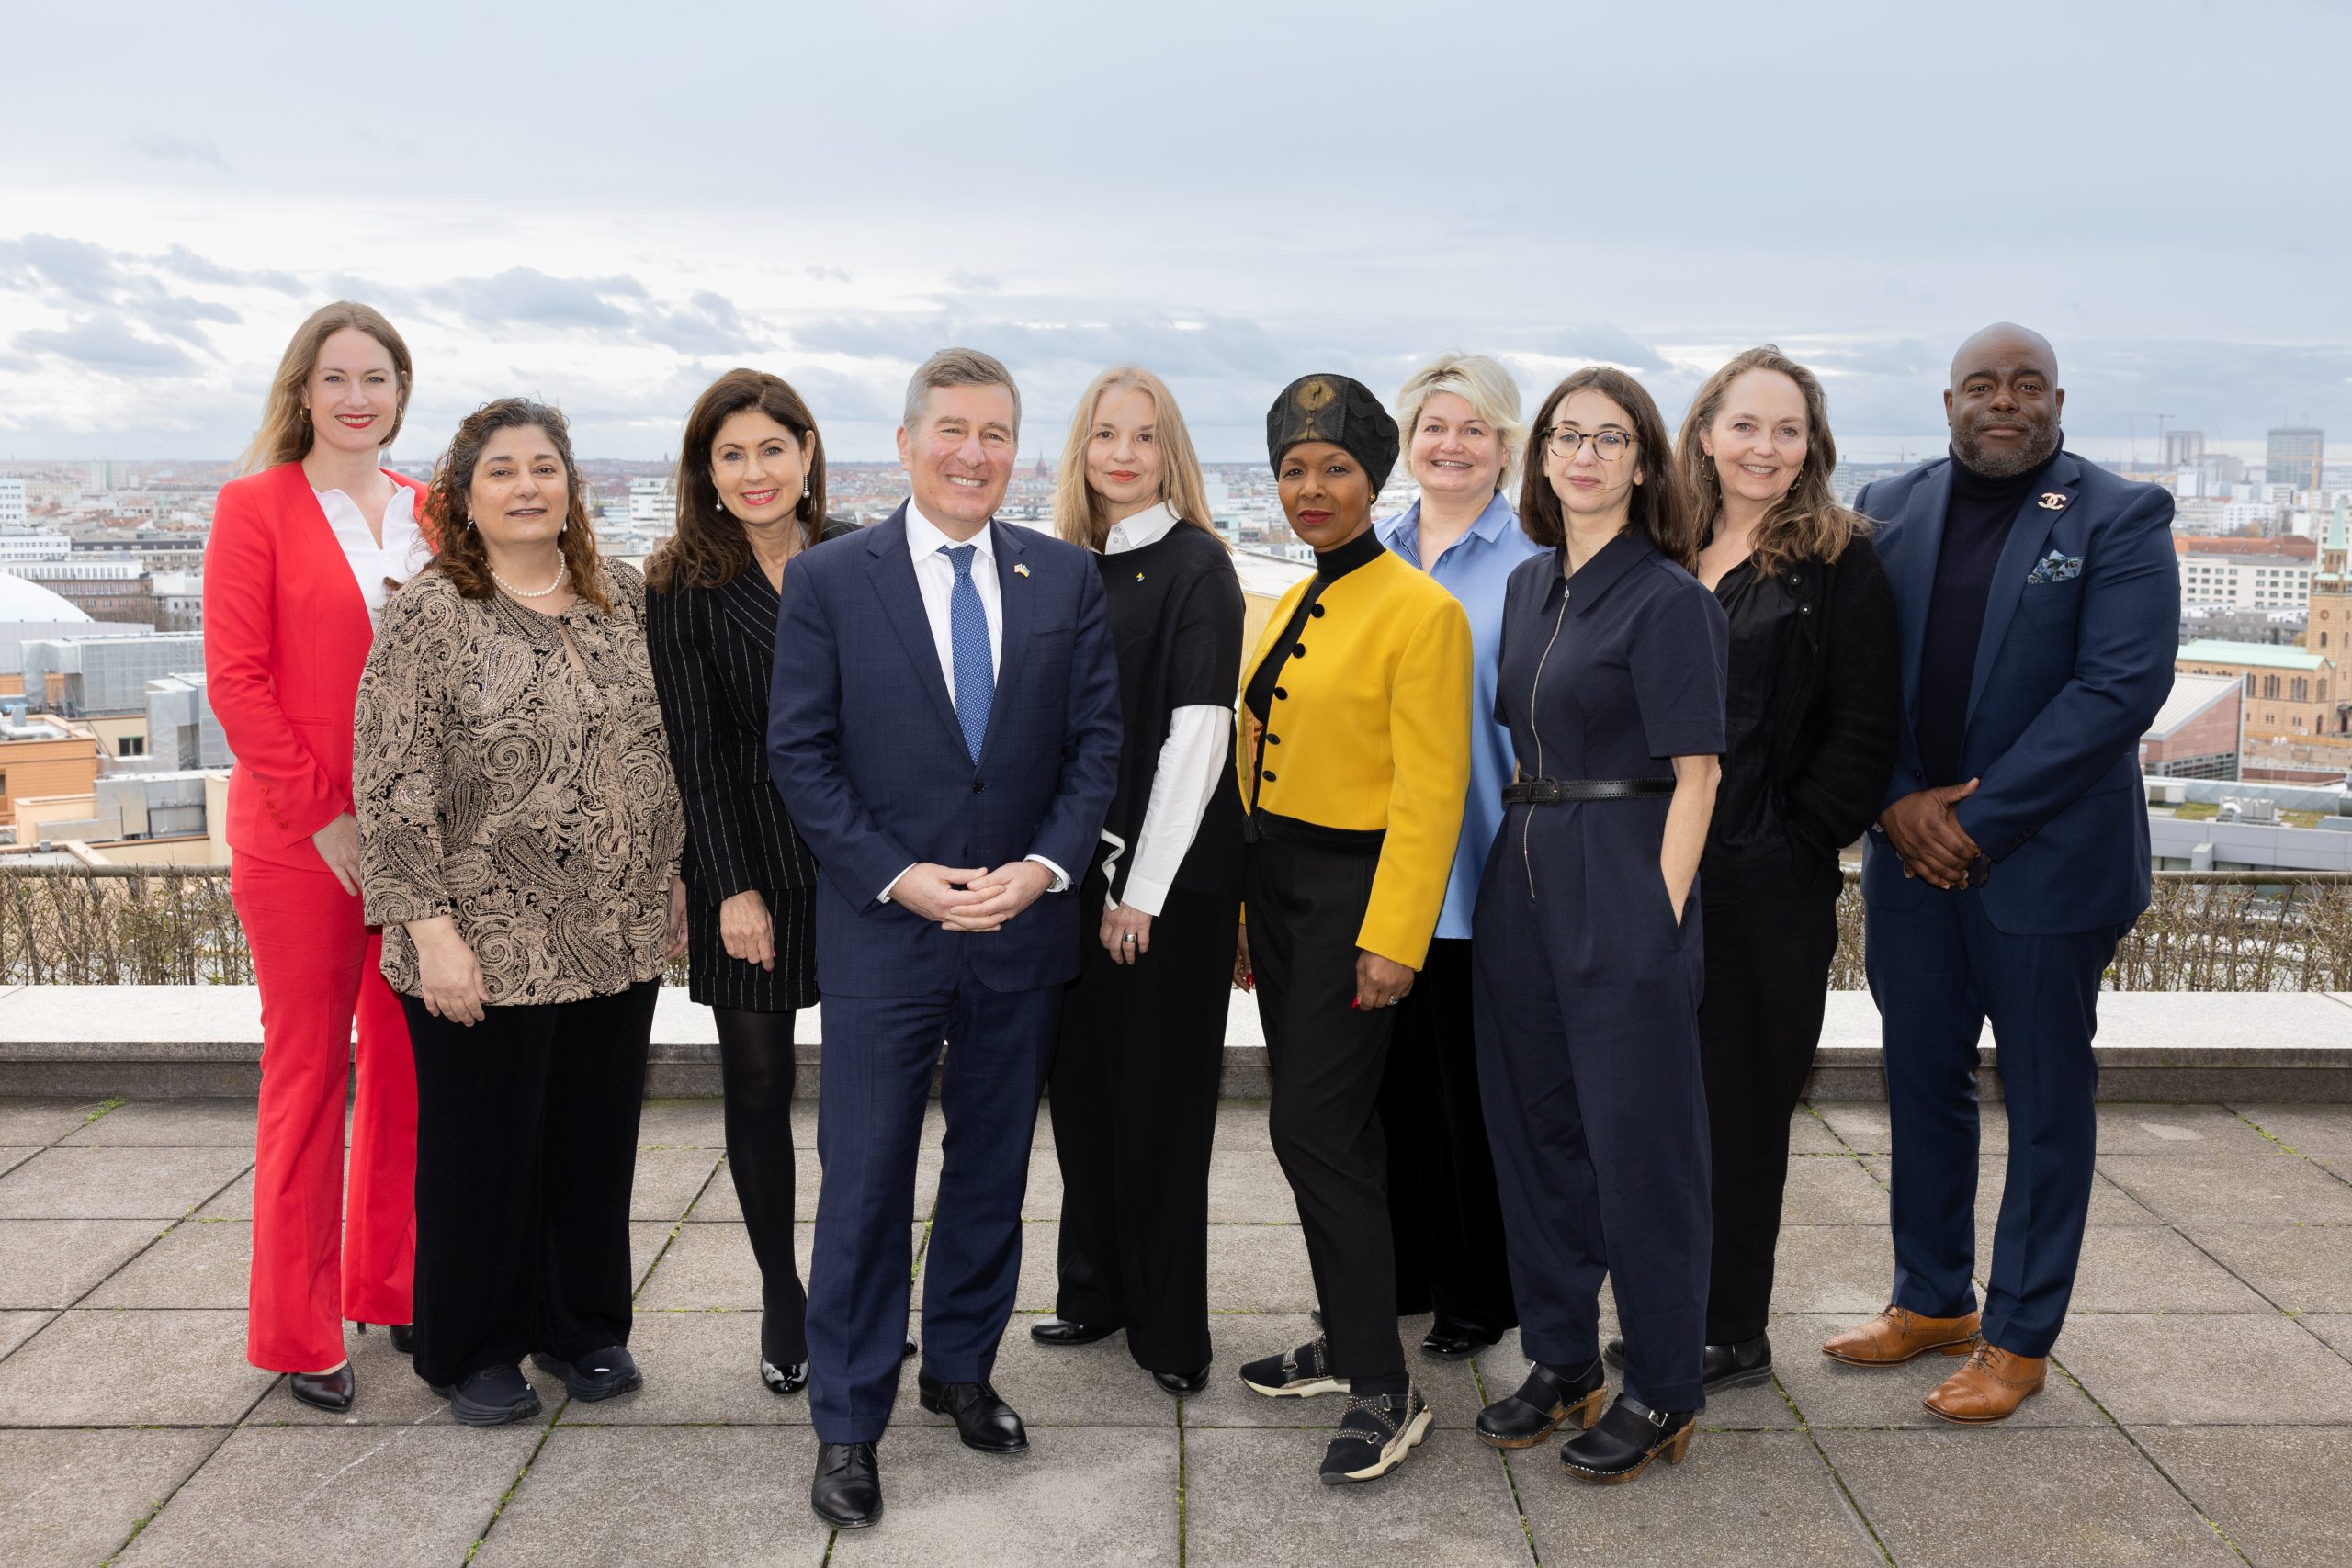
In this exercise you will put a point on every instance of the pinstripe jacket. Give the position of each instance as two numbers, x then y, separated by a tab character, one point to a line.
712	650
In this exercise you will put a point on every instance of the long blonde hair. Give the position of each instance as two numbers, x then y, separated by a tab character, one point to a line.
285	431
1807	523
1081	516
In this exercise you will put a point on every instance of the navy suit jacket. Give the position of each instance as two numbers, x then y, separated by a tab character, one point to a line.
863	746
2069	673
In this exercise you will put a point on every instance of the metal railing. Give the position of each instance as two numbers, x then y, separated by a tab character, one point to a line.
2207	931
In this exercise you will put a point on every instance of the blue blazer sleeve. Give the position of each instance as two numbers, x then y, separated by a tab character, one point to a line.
2124	667
804	747
1089	761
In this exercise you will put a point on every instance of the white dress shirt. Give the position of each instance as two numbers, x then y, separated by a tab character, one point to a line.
936	577
401	557
1192	760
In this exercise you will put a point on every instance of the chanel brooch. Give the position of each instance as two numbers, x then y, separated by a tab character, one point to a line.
2055	568
2054	501
1021	569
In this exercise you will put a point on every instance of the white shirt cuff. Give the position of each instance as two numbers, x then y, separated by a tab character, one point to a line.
1060	882
884	896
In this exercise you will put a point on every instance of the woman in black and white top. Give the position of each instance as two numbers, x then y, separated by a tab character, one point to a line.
751	497
1134	1082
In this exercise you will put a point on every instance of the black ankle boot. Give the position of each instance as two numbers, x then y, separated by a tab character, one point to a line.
1622	1445
1548	1397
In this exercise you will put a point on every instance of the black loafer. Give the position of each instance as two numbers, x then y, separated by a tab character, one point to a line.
598	1375
1454	1341
1740	1365
1183	1385
403	1338
1624	1441
847	1492
1546	1399
984	1421
490	1397
1061	1332
326	1391
784	1366
790	1378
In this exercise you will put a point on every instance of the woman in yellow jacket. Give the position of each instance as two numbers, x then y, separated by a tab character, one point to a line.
1353	763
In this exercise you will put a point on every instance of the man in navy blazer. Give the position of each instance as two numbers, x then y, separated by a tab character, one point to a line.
2038	597
944	728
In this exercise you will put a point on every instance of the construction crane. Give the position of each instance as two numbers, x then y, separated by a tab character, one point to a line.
2131	422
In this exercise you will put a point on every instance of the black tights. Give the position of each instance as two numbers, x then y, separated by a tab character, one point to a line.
756	1067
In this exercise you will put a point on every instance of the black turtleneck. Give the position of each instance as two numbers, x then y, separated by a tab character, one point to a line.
1976	528
1329	567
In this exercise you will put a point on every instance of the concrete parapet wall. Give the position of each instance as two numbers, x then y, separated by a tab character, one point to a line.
2183	1046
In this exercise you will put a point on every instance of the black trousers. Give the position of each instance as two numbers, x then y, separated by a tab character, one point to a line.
1768	981
526	1152
1325	1058
1133	1097
1443	1210
756	1073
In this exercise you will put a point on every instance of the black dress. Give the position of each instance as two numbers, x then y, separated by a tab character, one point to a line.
1134	1089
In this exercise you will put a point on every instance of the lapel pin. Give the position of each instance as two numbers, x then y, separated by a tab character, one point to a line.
1139	576
2054	501
1021	569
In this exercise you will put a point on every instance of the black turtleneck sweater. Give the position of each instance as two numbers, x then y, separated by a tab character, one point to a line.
1976	528
1329	567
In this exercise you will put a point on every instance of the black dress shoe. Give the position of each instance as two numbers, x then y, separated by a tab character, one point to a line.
490	1397
984	1421
1060	1332
600	1375
1622	1445
327	1390
847	1492
1740	1365
784	1366
790	1378
1449	1341
912	1351
1183	1385
403	1338
1547	1398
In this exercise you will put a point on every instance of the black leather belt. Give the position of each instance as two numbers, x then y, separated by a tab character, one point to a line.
1553	792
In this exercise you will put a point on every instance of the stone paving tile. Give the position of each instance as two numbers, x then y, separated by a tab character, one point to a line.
117	1184
391	1393
15	1327
75	1497
1247	1187
2268	1186
2336	1327
171	1124
1862	1126
701	1368
712	1497
648	1240
43	1121
1770	1499
1832	1193
1830	1393
196	1263
1809	1134
301	1496
1241	1124
2110	1204
2150	1268
2301	1267
53	1263
683	1125
2322	1133
10	1158
1451	1386
2257	1487
721	1202
234	1201
711	1265
668	1180
2182	1370
126	1369
1080	1495
2018	1497
1090	1386
1835	1268
1252	1500
1255	1268
2127	1129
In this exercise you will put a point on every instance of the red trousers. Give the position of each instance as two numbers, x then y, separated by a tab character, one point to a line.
314	1264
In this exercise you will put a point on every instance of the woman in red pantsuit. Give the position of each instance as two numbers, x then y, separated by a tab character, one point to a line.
294	576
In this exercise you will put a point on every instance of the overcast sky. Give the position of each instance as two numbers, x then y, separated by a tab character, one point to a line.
606	205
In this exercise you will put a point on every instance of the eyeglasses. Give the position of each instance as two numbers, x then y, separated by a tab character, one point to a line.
1606	445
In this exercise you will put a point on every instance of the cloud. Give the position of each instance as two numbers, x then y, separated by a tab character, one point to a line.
110	346
706	324
1172	345
184	264
527	296
119	285
166	148
1602	343
825	274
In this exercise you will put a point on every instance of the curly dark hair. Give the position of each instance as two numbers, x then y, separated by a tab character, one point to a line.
708	546
459	553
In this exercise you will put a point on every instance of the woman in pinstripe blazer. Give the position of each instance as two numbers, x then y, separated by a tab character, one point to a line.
751	497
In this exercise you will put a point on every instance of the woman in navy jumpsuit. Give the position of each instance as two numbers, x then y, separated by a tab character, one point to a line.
1589	962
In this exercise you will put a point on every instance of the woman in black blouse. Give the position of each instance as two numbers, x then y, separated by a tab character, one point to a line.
751	497
1814	699
1134	1082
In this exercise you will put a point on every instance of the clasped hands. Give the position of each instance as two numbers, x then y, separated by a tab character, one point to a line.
971	899
1925	829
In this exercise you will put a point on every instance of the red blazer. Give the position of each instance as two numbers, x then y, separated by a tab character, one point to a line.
286	633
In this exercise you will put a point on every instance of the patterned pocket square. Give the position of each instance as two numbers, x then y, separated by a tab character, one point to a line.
2055	568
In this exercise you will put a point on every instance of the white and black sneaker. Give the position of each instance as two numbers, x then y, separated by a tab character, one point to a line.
1376	1434
1295	1374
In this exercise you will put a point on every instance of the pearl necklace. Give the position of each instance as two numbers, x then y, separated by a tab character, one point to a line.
563	570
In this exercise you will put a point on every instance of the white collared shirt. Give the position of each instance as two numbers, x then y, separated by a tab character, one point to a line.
1145	527
401	557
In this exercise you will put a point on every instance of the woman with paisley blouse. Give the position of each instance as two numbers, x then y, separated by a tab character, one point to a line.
520	832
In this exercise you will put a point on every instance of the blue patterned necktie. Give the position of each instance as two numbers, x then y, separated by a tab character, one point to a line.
967	629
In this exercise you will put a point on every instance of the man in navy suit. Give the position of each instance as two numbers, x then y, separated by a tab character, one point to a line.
944	730
2037	596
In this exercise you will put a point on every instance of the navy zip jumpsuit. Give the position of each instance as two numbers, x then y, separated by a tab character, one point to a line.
1588	988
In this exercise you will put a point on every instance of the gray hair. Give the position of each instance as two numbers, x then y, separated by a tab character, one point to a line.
958	367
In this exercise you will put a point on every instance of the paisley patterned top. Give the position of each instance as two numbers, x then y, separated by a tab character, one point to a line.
531	800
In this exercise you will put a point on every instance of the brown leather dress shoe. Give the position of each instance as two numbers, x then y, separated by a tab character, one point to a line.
1989	1388
1898	1334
